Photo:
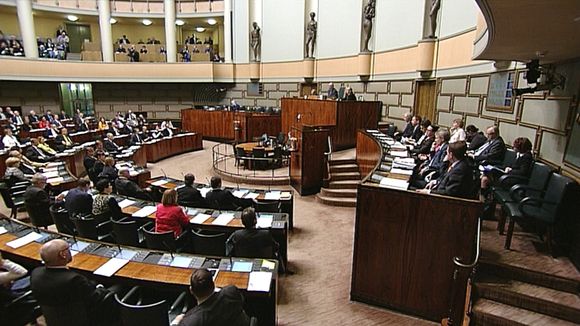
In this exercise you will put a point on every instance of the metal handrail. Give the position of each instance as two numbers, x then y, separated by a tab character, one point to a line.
457	261
329	147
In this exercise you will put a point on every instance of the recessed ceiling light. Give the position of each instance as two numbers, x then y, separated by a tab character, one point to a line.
112	20
200	29
146	22
179	22
212	21
72	18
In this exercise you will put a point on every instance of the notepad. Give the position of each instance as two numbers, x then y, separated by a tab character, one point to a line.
200	218
268	264
204	191
252	195
191	211
264	221
285	194
223	219
126	203
401	171
260	281
242	266
398	153
394	183
3	230
109	268
22	241
240	193
145	211
159	183
126	254
272	195
78	246
181	261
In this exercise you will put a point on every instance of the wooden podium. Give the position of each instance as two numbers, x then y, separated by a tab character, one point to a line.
307	159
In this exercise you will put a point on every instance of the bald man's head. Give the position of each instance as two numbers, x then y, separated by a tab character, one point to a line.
55	253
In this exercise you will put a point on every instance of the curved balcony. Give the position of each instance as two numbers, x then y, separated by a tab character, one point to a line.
150	8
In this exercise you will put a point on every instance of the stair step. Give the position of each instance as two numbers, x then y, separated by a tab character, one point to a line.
532	297
333	201
342	193
342	161
491	313
343	168
341	176
487	267
345	184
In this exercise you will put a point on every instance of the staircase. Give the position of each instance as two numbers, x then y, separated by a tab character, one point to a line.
509	295
344	179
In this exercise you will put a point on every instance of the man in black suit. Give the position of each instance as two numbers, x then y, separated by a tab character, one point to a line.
17	119
423	145
110	145
35	154
188	194
332	92
416	133
32	117
475	138
63	115
52	132
493	151
89	160
219	198
458	181
63	141
223	308
145	134
126	187
56	286
78	201
135	138
251	242
37	201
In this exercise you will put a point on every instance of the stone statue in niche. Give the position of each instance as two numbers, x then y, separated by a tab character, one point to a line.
255	40
433	11
369	15
311	36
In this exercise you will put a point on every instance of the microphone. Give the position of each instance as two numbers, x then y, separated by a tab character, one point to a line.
231	263
164	175
168	248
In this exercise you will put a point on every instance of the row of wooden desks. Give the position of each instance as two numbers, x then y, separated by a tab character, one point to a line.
285	198
165	147
158	270
206	219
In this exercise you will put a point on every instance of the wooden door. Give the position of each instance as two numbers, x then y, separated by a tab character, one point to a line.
306	89
425	99
77	34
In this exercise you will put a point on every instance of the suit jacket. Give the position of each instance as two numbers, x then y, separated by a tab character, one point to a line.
37	201
476	141
135	140
60	139
457	182
89	163
417	133
50	133
408	131
78	202
83	127
189	194
36	154
332	93
109	172
17	120
493	154
224	308
110	146
60	287
424	147
250	243
126	187
523	165
33	118
223	198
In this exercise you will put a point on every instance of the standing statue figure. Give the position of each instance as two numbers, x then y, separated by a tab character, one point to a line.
311	36
435	4
369	13
255	41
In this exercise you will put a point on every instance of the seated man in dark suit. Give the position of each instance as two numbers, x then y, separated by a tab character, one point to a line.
219	198
126	187
492	151
78	201
57	287
135	138
251	242
110	145
34	153
188	194
416	133
37	201
458	181
474	138
52	132
408	131
223	308
89	160
423	145
63	141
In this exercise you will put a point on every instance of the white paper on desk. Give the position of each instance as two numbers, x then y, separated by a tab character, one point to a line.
223	219
50	174
191	211
109	268
53	169
181	261
126	203
398	153
401	171
200	218
252	195
159	183
55	180
272	195
398	146
394	183
239	193
52	165
265	221
204	191
126	254
3	230
285	194
22	241
145	211
260	281
405	160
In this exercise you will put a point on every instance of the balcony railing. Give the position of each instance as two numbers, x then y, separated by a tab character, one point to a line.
138	6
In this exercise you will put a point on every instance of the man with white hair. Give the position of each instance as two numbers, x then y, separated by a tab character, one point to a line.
126	187
55	285
332	92
110	145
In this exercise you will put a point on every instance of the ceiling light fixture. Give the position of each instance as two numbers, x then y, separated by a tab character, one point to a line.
112	21
146	22
200	29
179	22
212	21
72	18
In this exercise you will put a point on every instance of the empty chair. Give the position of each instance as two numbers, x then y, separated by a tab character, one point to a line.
154	314
62	220
160	241
209	243
240	154
259	153
91	228
126	232
12	197
267	207
277	157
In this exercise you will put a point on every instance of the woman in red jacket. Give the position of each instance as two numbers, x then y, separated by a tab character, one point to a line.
169	216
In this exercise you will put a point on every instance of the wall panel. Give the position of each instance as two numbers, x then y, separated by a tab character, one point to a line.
339	27
282	31
391	16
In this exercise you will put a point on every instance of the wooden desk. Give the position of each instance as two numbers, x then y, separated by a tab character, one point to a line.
405	242
343	118
220	124
169	146
307	161
151	275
